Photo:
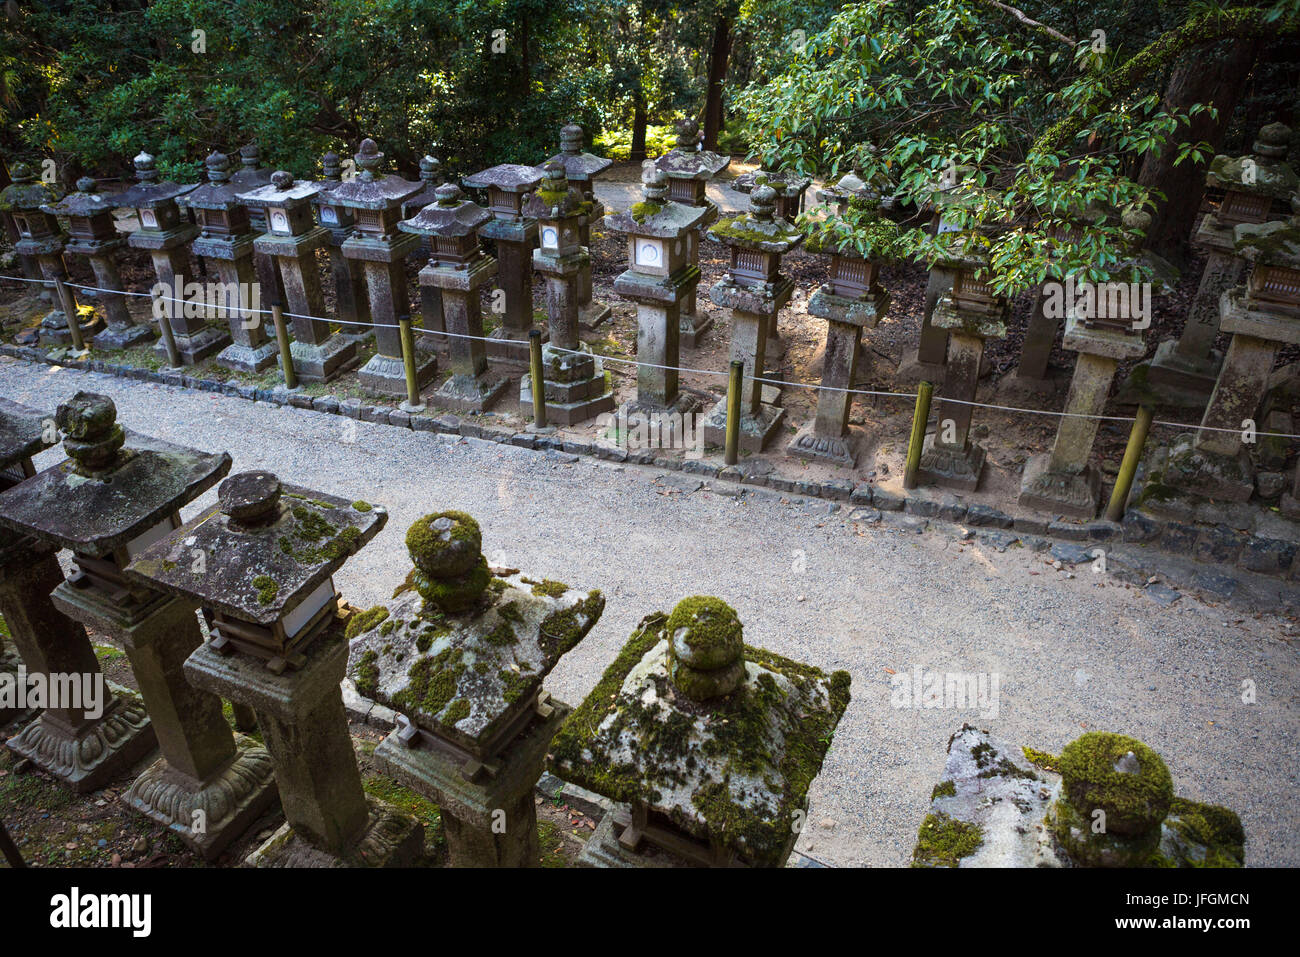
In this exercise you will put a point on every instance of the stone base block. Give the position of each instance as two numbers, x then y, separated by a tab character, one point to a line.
478	833
204	344
207	815
467	393
950	467
603	849
123	337
841	450
592	315
510	346
755	430
391	839
324	362
1177	382
1210	475
54	329
574	402
1059	493
243	358
386	375
693	328
684	403
88	758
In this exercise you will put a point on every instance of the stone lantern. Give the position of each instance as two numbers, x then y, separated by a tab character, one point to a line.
351	302
851	301
114	496
658	278
708	745
166	235
689	170
430	296
376	201
1064	482
292	238
755	291
1261	315
277	646
252	175
790	187
461	655
226	241
969	312
68	743
39	236
1256	190
457	269
574	378
91	233
515	233
581	170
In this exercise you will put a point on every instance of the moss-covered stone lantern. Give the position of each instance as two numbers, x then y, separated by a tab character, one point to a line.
658	279
508	187
39	236
710	745
1256	189
292	238
575	383
92	234
226	242
253	175
755	290
266	584
74	745
351	303
789	185
457	268
461	654
853	300
114	496
689	170
430	296
581	169
1262	316
970	312
376	201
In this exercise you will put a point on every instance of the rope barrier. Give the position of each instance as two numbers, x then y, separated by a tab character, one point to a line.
709	372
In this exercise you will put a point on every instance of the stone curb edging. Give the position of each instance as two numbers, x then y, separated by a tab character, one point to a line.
1220	545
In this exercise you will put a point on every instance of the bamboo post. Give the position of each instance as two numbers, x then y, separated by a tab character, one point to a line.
286	356
538	383
70	310
924	393
1137	440
734	385
412	403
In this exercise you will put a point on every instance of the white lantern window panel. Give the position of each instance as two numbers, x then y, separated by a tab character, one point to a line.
279	221
147	219
550	237
328	214
650	253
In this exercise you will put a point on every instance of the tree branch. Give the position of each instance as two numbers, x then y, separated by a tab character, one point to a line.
1032	24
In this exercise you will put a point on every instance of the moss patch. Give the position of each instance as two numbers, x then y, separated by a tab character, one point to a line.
364	621
943	842
267	588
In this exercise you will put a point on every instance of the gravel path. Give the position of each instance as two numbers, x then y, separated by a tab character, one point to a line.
1071	653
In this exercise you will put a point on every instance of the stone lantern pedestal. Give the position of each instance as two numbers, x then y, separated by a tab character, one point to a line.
969	313
457	269
166	237
581	170
659	279
67	743
1064	482
575	385
226	242
508	187
710	743
1262	315
351	304
462	656
292	239
1257	188
376	202
689	170
39	236
92	234
755	291
278	647
853	300
117	494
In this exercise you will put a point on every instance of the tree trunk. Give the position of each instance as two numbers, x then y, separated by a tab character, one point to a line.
1219	82
718	55
638	127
